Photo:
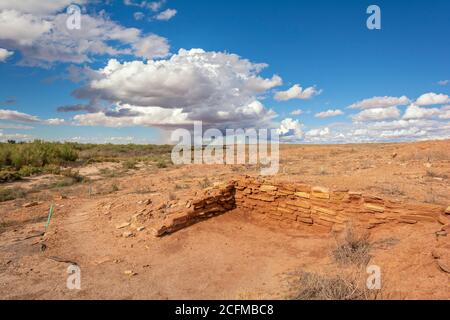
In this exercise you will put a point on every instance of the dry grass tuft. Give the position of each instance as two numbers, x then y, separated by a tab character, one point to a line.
313	286
353	248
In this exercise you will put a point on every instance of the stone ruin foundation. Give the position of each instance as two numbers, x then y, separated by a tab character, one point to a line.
291	205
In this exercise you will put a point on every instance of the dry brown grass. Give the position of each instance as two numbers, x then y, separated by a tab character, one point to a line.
353	248
340	286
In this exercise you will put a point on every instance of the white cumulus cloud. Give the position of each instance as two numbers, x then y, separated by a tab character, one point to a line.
40	33
166	15
377	114
297	112
216	88
296	92
329	113
290	130
380	102
415	112
5	54
432	98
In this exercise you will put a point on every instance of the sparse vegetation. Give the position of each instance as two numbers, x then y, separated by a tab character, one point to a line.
114	187
313	286
7	194
353	248
435	174
19	160
161	164
205	183
129	164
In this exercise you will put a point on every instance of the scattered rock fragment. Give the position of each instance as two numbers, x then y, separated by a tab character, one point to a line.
123	225
30	204
139	229
443	220
441	233
407	221
130	273
447	211
127	234
443	265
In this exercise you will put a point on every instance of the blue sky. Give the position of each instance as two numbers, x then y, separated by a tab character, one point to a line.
400	71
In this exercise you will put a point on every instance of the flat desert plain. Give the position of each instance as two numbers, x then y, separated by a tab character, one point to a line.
106	227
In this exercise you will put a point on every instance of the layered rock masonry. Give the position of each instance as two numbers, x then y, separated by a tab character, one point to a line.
297	205
214	202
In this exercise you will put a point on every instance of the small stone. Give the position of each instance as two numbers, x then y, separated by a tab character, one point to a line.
148	202
139	229
394	155
130	273
123	225
418	218
30	204
305	195
444	266
443	220
441	233
374	208
447	211
320	192
268	188
408	221
127	234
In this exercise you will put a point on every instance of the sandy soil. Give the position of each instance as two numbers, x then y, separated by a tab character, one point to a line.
228	257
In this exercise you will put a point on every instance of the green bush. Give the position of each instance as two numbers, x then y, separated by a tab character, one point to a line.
36	154
161	164
129	164
8	176
74	175
27	171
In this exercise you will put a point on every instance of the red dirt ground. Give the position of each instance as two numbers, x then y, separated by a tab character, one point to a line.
228	257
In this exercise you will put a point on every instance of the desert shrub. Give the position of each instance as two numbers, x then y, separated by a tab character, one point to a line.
161	164
8	176
7	194
205	183
313	286
36	154
52	168
129	164
42	157
353	248
27	171
69	178
435	174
